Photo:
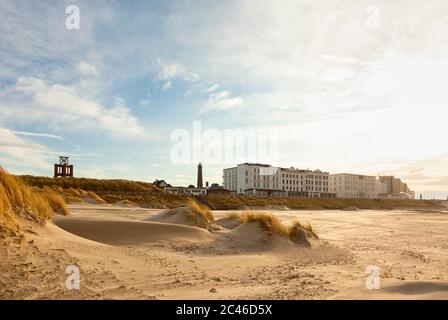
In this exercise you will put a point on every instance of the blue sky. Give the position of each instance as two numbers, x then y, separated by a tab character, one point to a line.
350	86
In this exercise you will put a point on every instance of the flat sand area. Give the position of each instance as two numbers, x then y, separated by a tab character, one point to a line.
122	255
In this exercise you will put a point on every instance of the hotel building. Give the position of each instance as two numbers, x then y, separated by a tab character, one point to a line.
266	180
353	186
396	189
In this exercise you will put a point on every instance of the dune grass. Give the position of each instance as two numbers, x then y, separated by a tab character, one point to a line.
94	185
297	228
201	214
272	225
56	201
268	221
240	202
18	199
147	195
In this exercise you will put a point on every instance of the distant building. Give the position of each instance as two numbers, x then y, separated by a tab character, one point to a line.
161	184
380	189
186	191
191	190
356	186
396	189
264	180
353	186
217	189
305	183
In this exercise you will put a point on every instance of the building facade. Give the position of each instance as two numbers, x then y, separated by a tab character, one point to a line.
306	183
186	191
252	178
265	180
396	189
353	186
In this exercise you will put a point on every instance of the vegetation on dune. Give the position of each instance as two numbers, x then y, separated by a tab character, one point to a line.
94	185
297	232
232	202
201	214
268	222
147	195
56	201
18	199
297	229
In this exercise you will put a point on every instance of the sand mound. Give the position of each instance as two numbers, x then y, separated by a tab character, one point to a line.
262	228
269	207
125	204
18	200
351	209
399	289
125	233
229	223
254	235
194	215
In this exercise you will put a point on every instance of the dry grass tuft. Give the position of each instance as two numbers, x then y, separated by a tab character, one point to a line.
268	221
56	201
18	199
271	224
201	214
298	231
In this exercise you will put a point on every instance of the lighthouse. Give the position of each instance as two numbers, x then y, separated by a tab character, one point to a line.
200	183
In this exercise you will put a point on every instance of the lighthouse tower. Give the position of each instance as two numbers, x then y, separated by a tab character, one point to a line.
200	182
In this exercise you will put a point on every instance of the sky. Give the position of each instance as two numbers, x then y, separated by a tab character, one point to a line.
342	86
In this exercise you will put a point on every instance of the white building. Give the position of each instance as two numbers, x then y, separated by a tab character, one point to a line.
353	186
381	189
266	180
186	191
253	178
305	183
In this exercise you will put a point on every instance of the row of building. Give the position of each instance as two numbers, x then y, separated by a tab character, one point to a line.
191	190
265	180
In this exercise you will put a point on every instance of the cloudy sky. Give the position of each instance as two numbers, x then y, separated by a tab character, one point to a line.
349	86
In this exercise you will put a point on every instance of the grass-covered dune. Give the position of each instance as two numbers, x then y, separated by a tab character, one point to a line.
94	185
18	200
229	202
145	194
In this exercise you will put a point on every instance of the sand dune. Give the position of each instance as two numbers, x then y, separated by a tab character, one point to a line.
181	215
252	235
193	215
126	257
228	223
402	290
125	233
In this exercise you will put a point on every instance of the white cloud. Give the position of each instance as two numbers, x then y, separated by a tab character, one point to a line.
222	101
61	104
167	85
87	69
213	87
15	151
145	102
37	134
173	71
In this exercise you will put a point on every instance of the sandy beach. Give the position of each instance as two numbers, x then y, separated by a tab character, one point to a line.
123	253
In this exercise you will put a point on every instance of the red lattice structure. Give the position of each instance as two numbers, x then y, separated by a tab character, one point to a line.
63	169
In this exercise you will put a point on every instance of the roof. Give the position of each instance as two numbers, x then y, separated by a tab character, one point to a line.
269	190
352	174
255	164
